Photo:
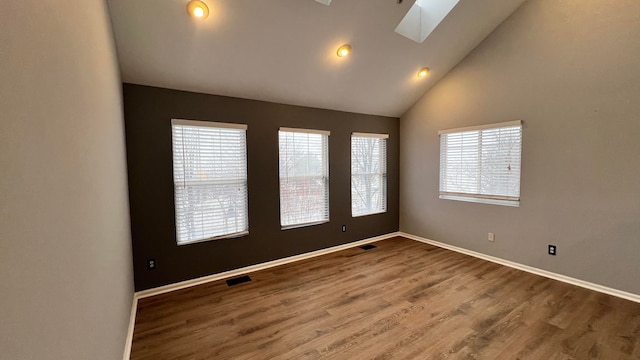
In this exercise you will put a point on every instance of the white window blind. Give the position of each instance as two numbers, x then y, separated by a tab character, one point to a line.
482	163
304	177
210	180
368	173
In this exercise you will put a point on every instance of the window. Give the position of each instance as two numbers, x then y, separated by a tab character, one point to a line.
481	163
210	180
368	173
304	177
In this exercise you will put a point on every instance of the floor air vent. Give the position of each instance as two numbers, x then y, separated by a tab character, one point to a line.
238	280
368	247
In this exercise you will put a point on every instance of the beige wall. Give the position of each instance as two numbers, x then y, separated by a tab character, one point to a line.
570	69
65	256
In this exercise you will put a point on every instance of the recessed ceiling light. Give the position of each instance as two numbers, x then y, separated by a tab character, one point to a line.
197	9
423	72
344	50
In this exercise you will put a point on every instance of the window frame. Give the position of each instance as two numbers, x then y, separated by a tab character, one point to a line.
217	125
382	172
479	197
325	176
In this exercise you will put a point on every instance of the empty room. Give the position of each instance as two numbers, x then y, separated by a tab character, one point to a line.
320	179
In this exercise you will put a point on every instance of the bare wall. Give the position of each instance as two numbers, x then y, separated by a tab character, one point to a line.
569	70
66	279
148	114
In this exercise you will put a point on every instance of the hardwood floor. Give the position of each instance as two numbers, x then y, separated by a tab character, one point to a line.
401	300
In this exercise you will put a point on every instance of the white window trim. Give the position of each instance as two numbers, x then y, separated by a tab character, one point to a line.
306	131
367	214
384	175
482	127
199	123
221	237
483	199
370	135
208	124
301	225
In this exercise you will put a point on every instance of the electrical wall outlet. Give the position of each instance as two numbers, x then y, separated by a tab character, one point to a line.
344	228
491	237
151	264
552	250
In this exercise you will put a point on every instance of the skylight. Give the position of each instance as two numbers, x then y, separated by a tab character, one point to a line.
423	17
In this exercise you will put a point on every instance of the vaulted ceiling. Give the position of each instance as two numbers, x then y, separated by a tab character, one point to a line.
285	50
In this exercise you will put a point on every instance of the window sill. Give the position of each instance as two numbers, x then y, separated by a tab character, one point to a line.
227	236
296	226
367	214
512	203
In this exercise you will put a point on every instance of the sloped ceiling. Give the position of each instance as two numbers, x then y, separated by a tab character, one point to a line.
285	50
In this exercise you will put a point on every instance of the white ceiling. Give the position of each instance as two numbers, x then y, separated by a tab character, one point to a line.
284	50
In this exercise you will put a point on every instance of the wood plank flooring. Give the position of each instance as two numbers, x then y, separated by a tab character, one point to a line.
401	300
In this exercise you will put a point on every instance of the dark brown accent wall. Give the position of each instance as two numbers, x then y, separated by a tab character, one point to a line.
148	113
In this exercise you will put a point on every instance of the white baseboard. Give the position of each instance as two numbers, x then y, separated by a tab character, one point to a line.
290	259
257	267
235	272
132	323
529	269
